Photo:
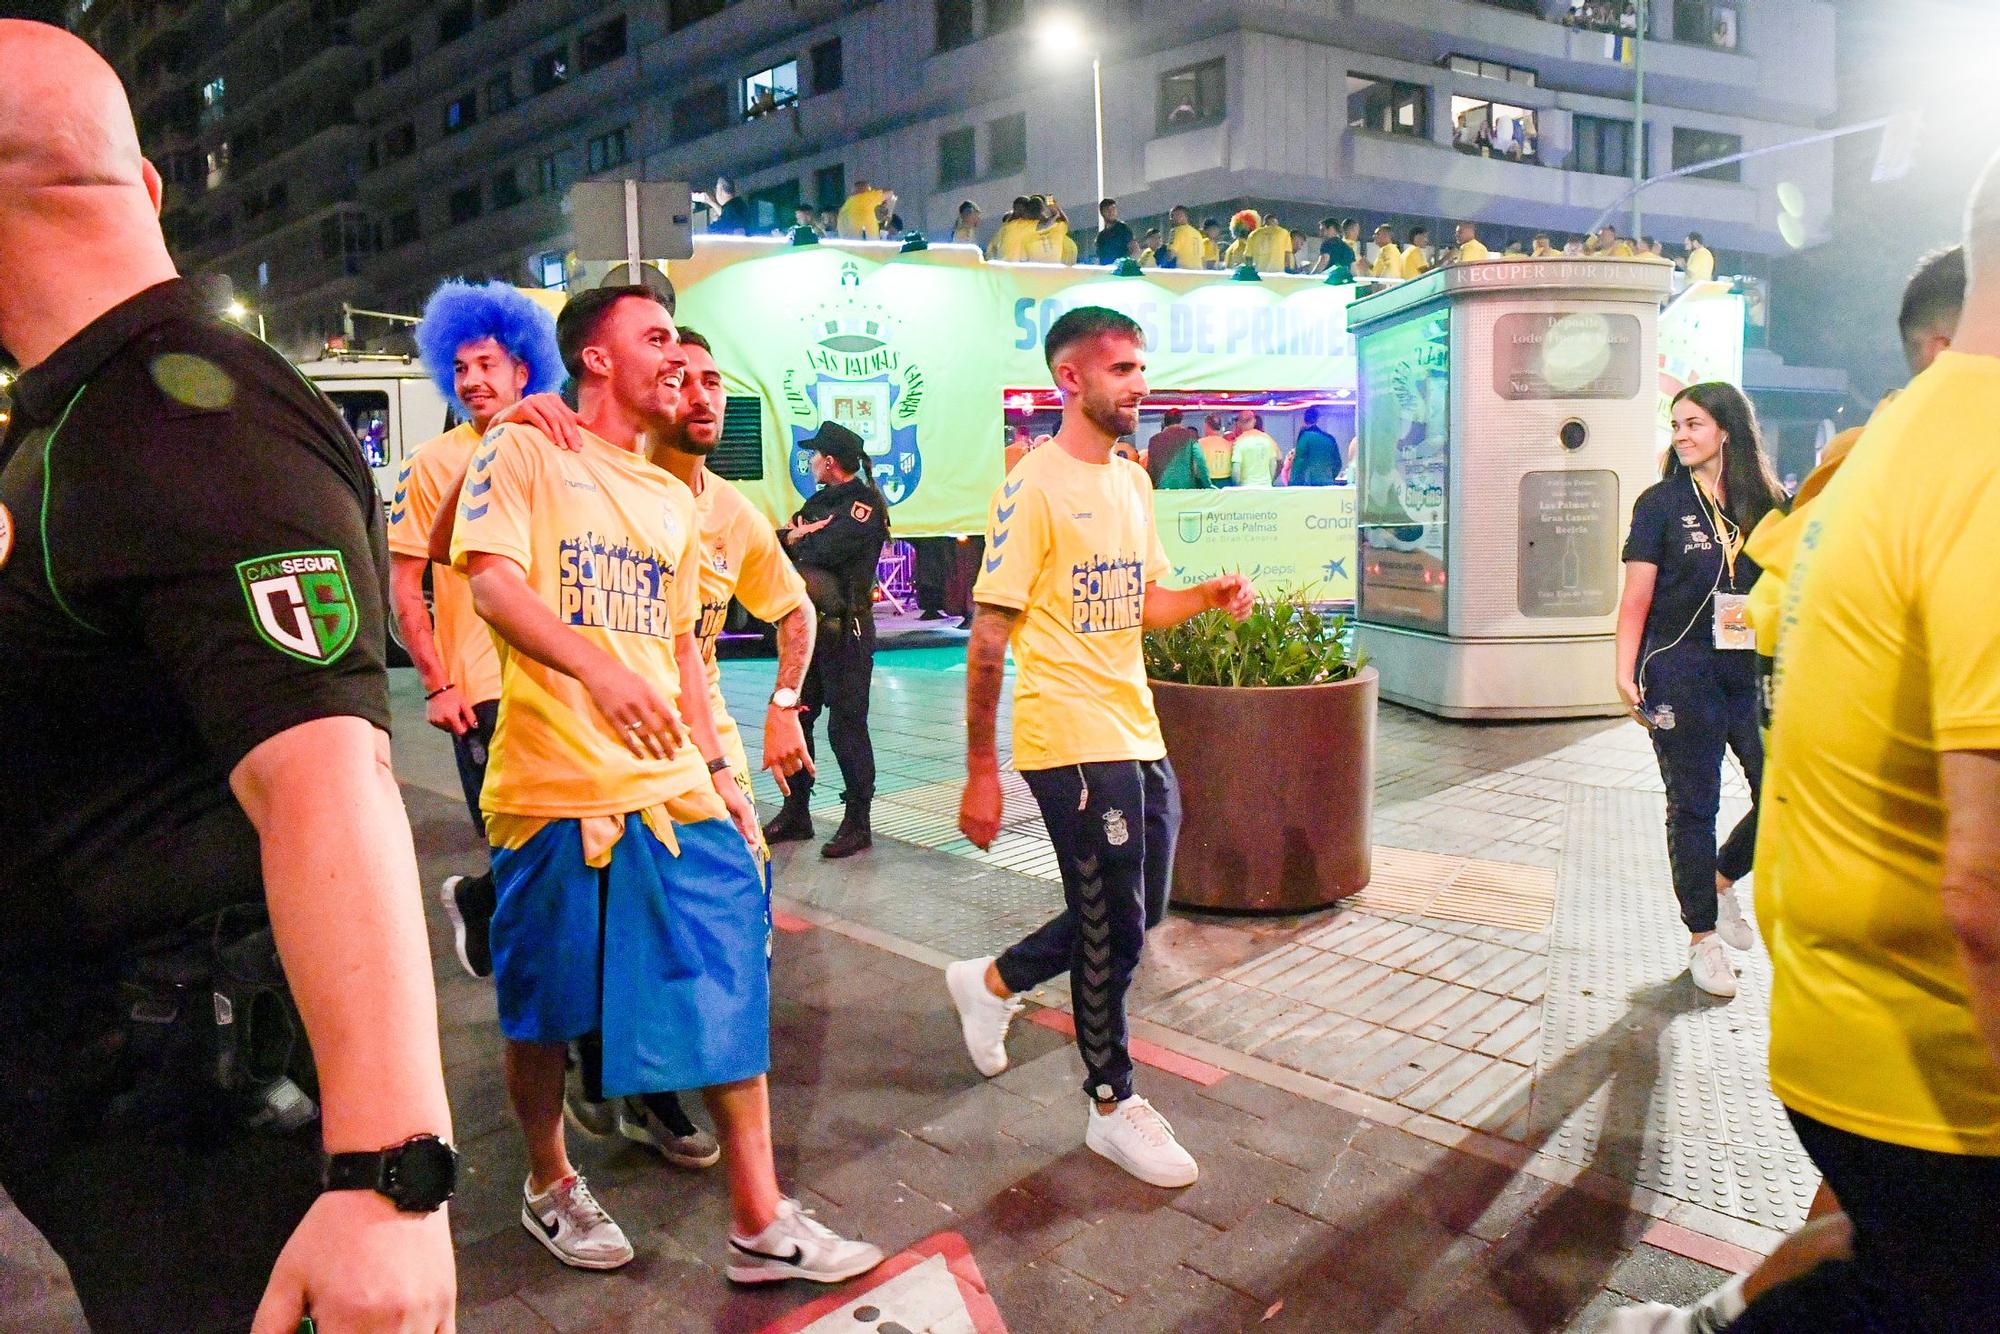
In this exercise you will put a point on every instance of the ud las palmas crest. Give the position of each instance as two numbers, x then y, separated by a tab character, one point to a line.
301	602
855	375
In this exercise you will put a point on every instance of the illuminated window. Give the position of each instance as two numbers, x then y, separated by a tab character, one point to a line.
768	89
212	101
1196	95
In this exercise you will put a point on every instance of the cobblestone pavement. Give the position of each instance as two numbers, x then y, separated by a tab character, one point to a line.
1404	1119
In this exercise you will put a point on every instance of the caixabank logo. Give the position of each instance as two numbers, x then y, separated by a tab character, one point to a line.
301	602
857	374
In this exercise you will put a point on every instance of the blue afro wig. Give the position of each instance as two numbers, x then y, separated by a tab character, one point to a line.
459	313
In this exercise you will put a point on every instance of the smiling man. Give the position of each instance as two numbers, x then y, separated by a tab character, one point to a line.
1071	580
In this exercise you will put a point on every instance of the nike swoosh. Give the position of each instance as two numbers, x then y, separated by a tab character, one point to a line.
479	488
798	1253
1003	515
549	1226
477	513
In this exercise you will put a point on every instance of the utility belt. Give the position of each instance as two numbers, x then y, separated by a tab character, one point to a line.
209	1028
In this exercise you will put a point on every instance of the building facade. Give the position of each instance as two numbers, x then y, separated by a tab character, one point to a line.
393	143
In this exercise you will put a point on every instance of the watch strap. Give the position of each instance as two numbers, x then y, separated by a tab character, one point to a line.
355	1171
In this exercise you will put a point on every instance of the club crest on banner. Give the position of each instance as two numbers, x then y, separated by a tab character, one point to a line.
856	374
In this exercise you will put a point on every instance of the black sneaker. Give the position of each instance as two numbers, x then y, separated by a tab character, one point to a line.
792	824
932	615
468	902
853	836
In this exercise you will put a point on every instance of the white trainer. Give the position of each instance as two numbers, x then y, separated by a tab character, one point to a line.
1708	963
568	1220
693	1148
1138	1139
982	1016
1730	923
797	1245
1711	1315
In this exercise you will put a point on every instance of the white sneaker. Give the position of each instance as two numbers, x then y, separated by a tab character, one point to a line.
1708	963
593	1120
568	1220
1730	923
637	1122
1711	1315
797	1245
1138	1139
982	1016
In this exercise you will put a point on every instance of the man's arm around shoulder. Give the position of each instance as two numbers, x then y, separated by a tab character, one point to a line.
1970	782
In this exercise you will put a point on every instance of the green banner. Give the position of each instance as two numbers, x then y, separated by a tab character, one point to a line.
1288	540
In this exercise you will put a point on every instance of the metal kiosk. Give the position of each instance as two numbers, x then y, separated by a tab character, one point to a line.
1506	422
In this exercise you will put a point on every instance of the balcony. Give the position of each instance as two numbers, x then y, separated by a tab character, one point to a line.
1187	152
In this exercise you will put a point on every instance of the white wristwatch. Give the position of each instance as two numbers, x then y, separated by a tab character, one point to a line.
784	697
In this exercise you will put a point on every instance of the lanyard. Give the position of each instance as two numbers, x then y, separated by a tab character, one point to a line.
1727	534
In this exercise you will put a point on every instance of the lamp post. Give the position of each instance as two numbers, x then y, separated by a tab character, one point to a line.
1059	34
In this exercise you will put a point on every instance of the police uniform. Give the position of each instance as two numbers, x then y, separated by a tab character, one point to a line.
191	562
838	563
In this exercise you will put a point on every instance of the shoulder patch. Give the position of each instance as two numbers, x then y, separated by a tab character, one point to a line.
192	381
862	509
301	603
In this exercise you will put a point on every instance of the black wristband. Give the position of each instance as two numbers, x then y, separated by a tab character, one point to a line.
439	691
718	764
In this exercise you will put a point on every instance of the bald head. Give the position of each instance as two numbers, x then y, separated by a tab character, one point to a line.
64	120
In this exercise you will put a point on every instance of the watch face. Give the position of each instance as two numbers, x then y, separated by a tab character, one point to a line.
785	698
426	1174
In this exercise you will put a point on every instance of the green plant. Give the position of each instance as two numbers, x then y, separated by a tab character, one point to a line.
1285	642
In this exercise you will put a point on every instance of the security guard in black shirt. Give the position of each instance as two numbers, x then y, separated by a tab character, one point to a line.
194	712
836	541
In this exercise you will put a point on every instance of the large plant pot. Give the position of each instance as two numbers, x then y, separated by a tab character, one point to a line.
1277	792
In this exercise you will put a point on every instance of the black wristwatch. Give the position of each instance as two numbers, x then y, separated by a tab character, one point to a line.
417	1175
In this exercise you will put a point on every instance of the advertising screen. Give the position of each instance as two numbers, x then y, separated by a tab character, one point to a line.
1404	454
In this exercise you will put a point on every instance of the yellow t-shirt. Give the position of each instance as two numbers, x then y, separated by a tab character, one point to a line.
1414	264
1210	257
1889	654
857	220
1388	262
1011	241
1217	451
1071	545
1188	245
1270	248
606	540
1474	252
1774	544
1045	244
1068	247
471	660
1700	264
740	558
1238	253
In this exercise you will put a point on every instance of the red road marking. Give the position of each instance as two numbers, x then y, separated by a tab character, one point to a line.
1144	1052
784	921
958	1259
1695	1246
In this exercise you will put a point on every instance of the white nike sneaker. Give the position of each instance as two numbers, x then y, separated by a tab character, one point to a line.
1711	1315
1730	922
568	1220
982	1016
797	1245
1708	963
1138	1139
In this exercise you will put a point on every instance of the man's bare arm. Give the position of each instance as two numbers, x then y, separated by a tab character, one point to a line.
406	594
985	674
1168	607
1970	780
797	631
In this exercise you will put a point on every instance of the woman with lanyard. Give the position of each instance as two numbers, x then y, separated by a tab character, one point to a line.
1686	661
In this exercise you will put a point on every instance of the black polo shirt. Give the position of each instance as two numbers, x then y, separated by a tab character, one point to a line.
191	562
1671	530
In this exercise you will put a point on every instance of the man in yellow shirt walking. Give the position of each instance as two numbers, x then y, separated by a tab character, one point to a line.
1878	862
631	904
1072	580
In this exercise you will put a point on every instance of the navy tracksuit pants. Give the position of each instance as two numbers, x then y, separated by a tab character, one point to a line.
1713	697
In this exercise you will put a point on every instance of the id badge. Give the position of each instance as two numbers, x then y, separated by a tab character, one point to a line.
1732	622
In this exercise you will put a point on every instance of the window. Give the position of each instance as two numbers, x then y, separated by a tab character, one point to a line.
367	414
768	89
701	112
547	269
212	101
551	70
465	204
826	71
218	164
956	24
499	92
830	185
396	56
1387	106
460	113
1489	69
1692	146
1705	23
1493	129
400	142
506	188
773	205
548	174
1191	96
602	44
957	162
1004	15
403	227
263	273
454	23
608	149
1007	144
1602	146
681	13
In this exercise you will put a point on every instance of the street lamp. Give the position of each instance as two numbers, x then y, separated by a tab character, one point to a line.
1060	34
239	312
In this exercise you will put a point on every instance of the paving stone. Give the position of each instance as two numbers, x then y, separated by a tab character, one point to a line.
1354	1186
1269	1250
659	1264
1123	1250
1045	1296
1182	1301
1309	1135
973	1120
1014	1227
1234	1183
1650	1274
509	1315
1252	1096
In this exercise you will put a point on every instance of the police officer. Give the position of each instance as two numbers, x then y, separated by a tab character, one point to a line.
195	711
836	541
